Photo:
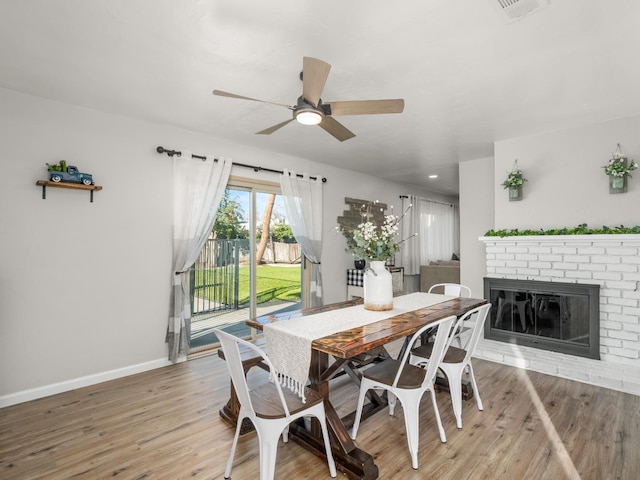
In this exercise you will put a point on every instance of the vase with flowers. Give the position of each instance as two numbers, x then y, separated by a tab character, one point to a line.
618	168
375	239
514	181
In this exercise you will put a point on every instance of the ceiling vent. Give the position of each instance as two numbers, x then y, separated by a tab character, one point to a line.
512	10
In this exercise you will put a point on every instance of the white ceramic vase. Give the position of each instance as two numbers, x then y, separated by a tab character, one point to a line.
378	287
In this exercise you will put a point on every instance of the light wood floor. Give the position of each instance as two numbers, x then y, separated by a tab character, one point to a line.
164	424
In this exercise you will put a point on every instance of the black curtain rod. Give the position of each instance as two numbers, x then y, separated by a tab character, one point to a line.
428	200
171	153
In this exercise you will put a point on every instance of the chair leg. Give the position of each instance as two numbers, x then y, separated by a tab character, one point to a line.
327	444
356	422
476	393
410	407
268	440
391	401
227	470
455	389
443	436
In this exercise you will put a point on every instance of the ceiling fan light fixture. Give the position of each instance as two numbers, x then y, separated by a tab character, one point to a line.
310	110
309	116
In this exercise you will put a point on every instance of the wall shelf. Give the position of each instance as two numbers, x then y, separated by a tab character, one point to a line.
76	186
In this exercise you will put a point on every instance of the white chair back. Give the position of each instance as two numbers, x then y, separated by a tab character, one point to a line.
481	314
454	289
230	345
441	341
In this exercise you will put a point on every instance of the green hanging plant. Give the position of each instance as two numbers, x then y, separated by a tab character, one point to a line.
617	165
515	178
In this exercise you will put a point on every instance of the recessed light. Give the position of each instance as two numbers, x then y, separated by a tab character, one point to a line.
433	176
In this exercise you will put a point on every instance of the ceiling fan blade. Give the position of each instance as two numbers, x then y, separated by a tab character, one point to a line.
270	130
220	93
365	107
314	76
335	128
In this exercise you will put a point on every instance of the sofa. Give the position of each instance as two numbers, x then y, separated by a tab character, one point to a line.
442	271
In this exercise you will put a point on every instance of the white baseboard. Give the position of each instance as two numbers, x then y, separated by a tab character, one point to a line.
53	389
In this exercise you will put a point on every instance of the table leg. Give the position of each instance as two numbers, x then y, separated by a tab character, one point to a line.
355	463
375	404
229	412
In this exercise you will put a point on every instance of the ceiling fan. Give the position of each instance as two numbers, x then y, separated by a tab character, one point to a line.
311	110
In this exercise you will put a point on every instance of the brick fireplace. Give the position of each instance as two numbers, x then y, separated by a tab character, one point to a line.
610	261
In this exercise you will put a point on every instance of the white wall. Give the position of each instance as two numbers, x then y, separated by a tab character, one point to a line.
476	217
566	183
84	286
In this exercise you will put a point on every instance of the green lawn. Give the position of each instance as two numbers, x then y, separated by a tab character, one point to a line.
273	284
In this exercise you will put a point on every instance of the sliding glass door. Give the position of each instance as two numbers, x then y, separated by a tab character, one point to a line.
250	265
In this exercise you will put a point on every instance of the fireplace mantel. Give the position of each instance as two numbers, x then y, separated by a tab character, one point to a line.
610	261
572	239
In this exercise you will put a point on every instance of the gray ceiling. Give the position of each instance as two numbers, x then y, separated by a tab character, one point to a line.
468	77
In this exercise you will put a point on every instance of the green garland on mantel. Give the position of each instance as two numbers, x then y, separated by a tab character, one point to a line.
581	229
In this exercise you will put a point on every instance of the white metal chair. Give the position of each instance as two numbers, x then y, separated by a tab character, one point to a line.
456	360
269	408
407	383
457	290
454	289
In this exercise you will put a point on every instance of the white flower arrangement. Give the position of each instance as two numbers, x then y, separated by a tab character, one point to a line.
371	241
617	167
375	242
515	178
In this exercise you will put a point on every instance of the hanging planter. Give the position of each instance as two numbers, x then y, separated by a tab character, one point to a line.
617	184
618	169
515	180
515	193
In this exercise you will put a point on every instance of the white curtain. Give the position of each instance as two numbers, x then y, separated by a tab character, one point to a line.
437	231
303	203
198	187
456	230
410	225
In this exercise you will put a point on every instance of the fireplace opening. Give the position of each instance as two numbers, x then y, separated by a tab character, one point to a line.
561	317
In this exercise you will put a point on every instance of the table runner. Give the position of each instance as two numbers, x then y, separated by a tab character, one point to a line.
288	342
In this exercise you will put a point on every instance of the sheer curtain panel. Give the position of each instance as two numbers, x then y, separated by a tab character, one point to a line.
437	231
198	187
410	251
303	203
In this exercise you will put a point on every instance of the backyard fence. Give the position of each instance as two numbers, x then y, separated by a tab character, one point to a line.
215	274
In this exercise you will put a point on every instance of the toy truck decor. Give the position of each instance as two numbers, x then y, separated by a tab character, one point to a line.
63	173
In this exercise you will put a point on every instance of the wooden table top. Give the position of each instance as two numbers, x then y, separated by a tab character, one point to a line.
352	342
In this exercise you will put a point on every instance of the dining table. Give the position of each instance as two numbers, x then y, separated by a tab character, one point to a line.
337	352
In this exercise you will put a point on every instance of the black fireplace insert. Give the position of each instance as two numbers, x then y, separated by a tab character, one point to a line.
562	317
